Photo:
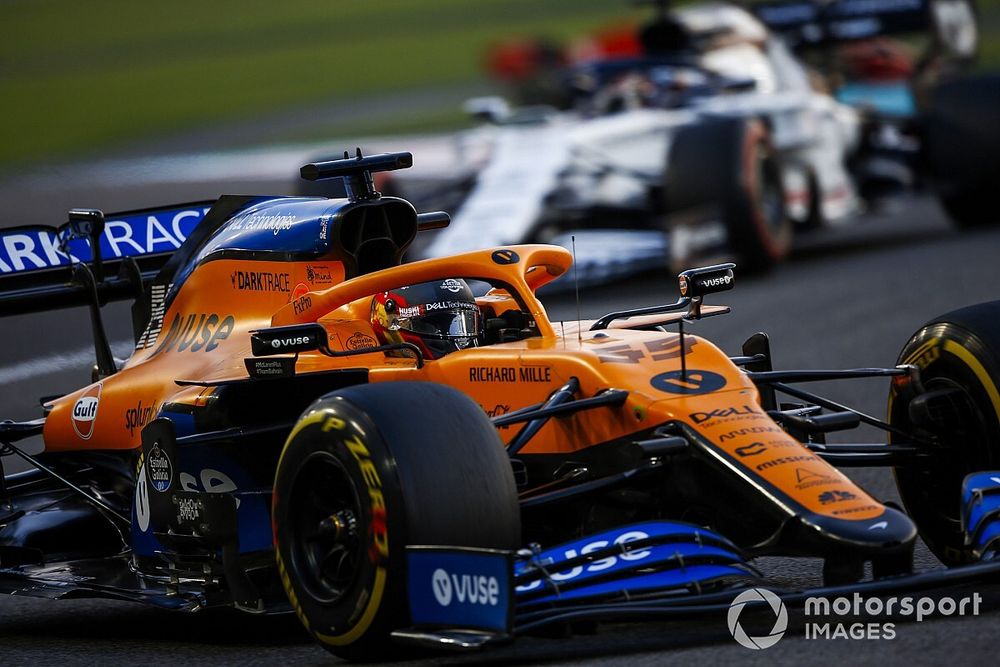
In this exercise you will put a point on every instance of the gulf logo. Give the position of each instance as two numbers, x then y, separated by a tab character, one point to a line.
85	412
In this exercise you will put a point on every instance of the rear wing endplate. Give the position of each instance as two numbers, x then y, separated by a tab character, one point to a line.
37	262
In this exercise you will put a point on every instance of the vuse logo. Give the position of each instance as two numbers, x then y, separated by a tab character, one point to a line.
464	588
441	583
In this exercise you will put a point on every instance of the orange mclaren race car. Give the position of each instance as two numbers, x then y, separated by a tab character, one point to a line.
416	452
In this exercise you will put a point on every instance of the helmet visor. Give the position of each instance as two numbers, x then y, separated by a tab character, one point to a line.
446	324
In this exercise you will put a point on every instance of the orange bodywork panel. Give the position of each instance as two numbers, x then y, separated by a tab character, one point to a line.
191	341
714	398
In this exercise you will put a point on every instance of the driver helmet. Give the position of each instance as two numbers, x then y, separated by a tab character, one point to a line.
438	317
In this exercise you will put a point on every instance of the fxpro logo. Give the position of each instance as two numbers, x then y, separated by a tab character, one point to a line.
464	588
757	596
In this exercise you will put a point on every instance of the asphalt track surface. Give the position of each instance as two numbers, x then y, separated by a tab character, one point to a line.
850	297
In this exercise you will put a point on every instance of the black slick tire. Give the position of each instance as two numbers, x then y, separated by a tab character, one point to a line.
365	472
957	353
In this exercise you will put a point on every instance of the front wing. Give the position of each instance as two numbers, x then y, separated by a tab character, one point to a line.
466	599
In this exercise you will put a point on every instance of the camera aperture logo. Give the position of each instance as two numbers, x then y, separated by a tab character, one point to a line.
757	595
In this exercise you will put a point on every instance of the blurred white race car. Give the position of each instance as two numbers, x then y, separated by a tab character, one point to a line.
711	134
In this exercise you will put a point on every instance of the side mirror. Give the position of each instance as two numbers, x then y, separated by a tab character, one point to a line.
288	340
487	109
696	283
296	338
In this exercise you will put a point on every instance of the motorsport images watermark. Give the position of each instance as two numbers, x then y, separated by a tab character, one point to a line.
822	614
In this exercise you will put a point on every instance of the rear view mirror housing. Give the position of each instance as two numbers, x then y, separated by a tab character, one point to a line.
288	340
696	283
491	109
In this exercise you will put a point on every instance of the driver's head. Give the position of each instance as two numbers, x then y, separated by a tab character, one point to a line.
438	317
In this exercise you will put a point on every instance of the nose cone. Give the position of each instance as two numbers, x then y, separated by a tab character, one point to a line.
888	532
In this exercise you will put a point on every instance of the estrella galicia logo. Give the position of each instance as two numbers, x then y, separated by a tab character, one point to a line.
158	469
693	382
757	595
506	256
359	341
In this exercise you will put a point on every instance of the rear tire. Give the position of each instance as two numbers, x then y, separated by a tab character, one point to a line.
367	471
962	137
730	164
960	351
815	217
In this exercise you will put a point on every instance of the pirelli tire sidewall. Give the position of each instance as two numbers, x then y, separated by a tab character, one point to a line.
429	467
338	428
961	349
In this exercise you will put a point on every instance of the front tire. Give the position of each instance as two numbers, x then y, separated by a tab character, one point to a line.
958	355
367	471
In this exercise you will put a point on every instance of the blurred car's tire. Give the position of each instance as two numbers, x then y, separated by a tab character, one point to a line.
815	217
962	137
366	471
959	359
728	166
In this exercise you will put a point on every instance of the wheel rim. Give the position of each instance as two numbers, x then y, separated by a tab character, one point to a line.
963	453
324	511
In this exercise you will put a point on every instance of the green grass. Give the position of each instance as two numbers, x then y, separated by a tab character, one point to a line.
443	120
81	76
989	34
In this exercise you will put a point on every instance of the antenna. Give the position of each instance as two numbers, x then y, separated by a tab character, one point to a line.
576	281
680	331
694	284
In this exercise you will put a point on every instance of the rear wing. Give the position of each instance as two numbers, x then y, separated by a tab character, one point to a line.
804	23
38	263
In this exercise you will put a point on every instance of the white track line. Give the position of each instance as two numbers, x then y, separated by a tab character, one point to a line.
58	362
266	163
